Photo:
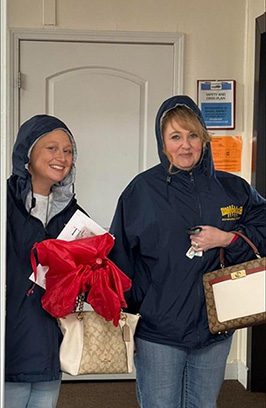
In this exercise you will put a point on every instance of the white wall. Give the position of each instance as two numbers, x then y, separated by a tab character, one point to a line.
219	44
219	38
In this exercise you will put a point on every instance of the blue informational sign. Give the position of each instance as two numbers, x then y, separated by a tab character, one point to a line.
217	114
216	100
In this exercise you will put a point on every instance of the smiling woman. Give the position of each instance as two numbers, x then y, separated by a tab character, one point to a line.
182	146
50	161
40	201
184	137
166	258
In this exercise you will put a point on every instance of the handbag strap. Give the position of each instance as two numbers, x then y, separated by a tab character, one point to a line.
79	307
240	234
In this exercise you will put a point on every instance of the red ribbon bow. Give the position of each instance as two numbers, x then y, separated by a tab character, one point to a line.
81	266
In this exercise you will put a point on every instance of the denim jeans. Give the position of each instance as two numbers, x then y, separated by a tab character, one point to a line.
175	377
43	394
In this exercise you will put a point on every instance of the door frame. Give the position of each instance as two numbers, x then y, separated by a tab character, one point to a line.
3	151
256	357
19	34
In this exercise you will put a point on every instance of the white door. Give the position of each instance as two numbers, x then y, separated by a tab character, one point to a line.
108	95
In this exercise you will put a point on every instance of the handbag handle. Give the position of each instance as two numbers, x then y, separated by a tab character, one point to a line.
79	307
240	234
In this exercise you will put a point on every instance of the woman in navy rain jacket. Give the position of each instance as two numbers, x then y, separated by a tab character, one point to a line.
40	201
179	363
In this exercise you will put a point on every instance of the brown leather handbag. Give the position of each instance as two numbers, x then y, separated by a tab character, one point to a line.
235	295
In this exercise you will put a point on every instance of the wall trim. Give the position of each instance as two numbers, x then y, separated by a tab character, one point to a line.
243	374
3	154
237	370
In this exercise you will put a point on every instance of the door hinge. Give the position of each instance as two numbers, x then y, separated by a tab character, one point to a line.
19	80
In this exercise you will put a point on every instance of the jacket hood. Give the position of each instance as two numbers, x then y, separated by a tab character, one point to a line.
28	134
171	103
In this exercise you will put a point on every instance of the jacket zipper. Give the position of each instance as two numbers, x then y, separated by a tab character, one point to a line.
192	180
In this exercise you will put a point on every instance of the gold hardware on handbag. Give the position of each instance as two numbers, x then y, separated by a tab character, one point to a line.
235	295
238	274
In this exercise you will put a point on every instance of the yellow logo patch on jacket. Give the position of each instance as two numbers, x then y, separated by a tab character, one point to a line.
231	213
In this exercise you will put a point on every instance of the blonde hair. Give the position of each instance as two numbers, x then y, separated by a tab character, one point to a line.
188	120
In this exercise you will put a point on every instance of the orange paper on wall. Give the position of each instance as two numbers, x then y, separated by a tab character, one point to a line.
226	152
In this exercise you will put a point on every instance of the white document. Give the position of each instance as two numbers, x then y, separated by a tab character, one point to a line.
79	226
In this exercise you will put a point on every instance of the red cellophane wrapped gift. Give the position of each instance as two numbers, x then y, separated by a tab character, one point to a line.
81	266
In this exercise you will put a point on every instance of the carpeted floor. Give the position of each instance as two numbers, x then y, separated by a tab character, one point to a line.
121	394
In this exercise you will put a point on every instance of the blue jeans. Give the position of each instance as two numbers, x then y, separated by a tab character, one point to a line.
175	377
43	394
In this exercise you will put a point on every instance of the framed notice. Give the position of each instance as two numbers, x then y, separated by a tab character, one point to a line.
216	100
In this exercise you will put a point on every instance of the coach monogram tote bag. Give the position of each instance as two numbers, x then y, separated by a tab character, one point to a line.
235	295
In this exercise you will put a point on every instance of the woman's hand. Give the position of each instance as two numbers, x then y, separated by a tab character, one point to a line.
210	237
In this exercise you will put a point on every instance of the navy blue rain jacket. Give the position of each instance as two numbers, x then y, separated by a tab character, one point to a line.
32	335
150	225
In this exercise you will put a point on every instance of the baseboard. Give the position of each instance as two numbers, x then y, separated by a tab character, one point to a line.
237	371
243	374
101	377
231	371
